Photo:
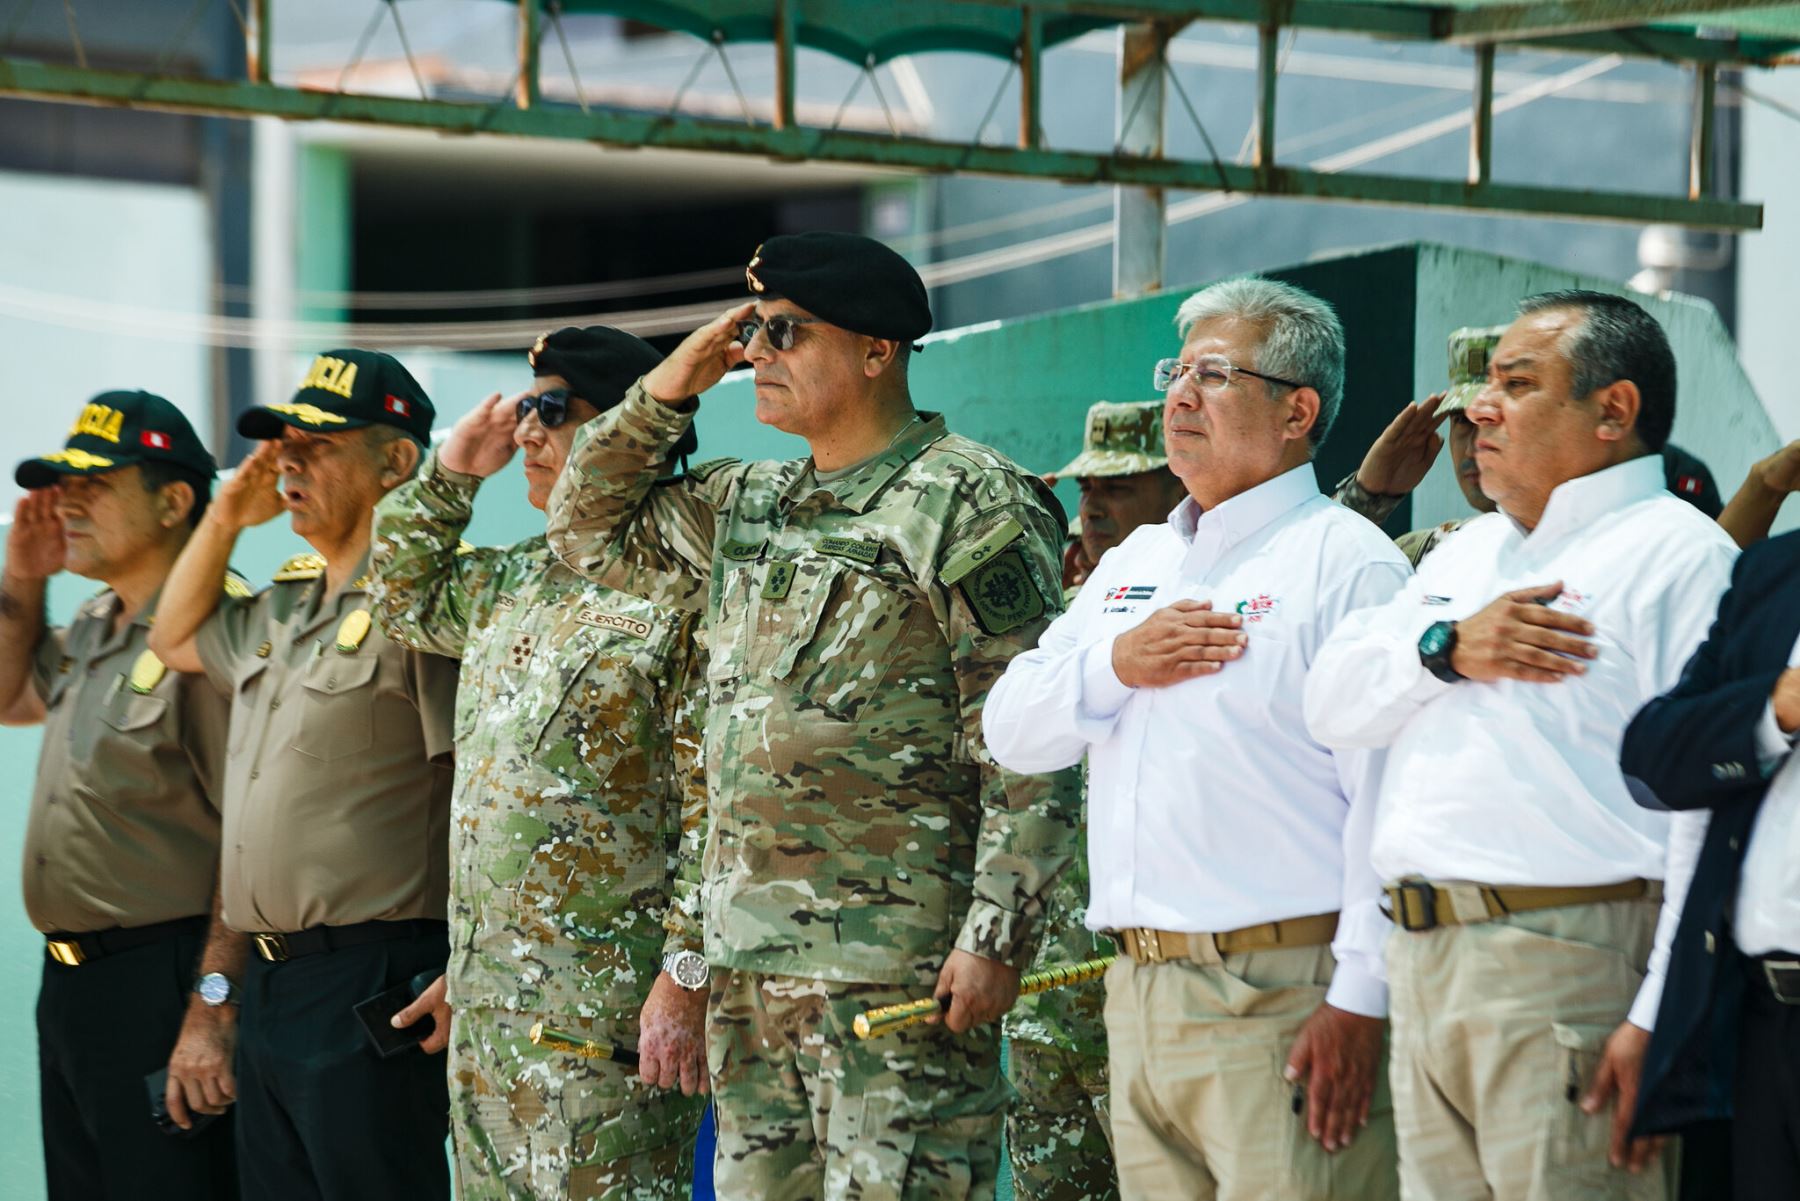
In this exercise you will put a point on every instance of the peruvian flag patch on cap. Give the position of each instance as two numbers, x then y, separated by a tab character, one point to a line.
156	441
398	406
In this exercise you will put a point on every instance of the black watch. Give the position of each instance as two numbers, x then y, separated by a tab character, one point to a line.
1436	645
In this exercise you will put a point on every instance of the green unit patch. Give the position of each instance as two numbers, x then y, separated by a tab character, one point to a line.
742	551
863	550
1008	532
1002	593
778	581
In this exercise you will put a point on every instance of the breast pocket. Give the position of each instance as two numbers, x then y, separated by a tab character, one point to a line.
598	704
729	633
246	697
847	636
131	712
339	694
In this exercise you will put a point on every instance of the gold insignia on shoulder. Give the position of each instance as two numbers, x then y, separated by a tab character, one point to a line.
265	649
464	547
311	414
62	668
361	583
308	566
237	587
352	630
77	458
147	672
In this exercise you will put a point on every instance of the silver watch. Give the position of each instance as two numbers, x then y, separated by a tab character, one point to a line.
216	989
688	969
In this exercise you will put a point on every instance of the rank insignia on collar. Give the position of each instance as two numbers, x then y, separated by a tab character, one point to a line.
147	673
778	581
266	649
62	668
352	630
361	583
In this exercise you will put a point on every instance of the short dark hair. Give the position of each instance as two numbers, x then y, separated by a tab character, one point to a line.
1617	340
153	474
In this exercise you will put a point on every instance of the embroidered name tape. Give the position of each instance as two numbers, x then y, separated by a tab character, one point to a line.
863	550
602	620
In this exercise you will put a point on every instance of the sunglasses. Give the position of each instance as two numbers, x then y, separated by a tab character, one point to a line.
779	330
552	407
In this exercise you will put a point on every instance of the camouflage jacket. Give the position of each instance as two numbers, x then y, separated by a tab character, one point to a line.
580	799
859	827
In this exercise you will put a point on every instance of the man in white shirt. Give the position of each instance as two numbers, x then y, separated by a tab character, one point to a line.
1228	850
1523	875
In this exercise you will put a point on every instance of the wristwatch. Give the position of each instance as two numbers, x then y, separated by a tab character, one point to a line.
1436	645
688	969
216	989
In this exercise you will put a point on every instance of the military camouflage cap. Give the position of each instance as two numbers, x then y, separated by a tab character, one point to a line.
1121	439
1469	351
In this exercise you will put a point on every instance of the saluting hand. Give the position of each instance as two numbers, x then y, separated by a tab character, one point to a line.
252	495
1518	637
35	545
1621	1070
481	441
701	360
430	1004
1404	452
980	990
1335	1058
672	1037
1178	643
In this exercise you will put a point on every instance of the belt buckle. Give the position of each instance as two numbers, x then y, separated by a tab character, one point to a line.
1772	968
66	952
272	947
1426	896
1151	945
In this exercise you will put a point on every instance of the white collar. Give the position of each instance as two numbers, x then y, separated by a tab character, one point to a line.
1576	503
1240	516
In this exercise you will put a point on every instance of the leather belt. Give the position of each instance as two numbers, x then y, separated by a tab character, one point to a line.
1144	945
1779	973
1420	905
73	950
315	940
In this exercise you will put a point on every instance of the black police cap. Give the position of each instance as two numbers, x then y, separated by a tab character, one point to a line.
347	390
117	430
853	282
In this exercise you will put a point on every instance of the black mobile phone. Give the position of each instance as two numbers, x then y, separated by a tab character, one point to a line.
376	1013
157	1084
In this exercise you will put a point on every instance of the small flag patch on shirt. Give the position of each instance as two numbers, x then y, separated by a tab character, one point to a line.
1132	592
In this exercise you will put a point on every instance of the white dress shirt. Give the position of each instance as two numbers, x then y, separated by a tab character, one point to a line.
1767	917
1209	807
1511	782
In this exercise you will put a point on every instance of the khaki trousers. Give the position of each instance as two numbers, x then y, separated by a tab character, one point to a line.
1498	1030
1200	1109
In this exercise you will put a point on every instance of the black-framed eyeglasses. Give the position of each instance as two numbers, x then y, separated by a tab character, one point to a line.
779	329
1210	373
552	407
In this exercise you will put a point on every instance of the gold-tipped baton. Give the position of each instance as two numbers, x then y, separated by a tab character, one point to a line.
876	1022
585	1048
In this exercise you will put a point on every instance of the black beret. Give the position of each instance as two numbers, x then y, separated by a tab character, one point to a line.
599	362
347	390
117	430
855	283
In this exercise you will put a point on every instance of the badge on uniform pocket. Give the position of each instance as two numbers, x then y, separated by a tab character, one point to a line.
147	673
351	631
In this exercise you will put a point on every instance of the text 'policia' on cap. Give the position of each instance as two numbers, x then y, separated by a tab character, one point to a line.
117	430
853	282
347	390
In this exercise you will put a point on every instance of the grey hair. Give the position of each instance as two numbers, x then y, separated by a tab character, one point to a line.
1303	340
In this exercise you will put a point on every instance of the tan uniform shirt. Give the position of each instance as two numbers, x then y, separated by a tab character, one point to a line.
124	825
338	770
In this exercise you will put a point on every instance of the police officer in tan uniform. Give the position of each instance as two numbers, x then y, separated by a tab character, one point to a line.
338	781
122	842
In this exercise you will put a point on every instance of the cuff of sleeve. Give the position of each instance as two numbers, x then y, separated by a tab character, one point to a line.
1102	693
998	934
1649	1000
683	940
667	422
1358	987
436	472
1772	746
1424	685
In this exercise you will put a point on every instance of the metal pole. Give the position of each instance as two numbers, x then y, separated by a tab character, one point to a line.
1031	66
1139	213
262	36
1700	149
1268	57
529	90
786	23
1481	128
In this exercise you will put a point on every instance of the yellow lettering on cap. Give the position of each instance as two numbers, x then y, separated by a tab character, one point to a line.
99	421
331	375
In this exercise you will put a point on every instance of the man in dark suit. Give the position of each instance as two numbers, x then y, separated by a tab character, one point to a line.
1727	1036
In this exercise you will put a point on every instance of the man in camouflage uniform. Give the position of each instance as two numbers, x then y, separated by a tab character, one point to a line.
1058	1136
864	847
337	787
578	789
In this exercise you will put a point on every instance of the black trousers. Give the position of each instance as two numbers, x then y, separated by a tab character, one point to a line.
321	1117
102	1027
1766	1106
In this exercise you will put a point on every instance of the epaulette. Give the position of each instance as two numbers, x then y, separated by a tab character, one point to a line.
309	566
237	587
464	547
699	471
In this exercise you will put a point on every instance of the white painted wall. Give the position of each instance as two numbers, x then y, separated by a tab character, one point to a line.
1769	261
77	258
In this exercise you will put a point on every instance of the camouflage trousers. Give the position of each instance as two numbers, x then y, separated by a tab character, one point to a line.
1058	1127
531	1124
807	1111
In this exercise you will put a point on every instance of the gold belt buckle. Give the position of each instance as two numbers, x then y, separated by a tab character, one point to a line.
1150	945
272	947
66	952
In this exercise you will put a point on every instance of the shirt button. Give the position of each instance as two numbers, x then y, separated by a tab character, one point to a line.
40	861
1734	844
330	683
255	773
275	704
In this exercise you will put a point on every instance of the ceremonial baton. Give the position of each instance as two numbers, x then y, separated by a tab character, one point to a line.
889	1018
585	1048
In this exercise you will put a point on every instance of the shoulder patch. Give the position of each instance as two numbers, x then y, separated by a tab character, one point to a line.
966	561
699	471
1002	593
237	587
309	566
